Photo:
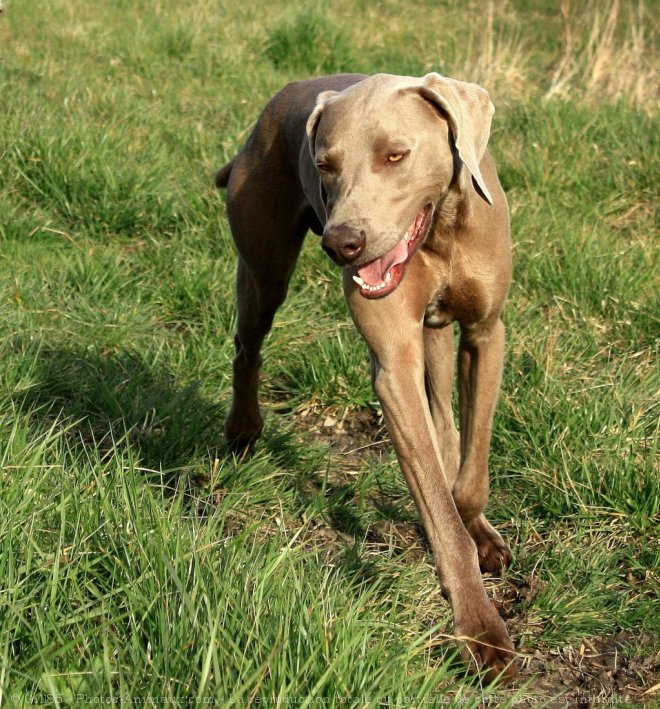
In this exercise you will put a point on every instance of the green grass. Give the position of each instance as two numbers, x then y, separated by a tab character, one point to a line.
139	559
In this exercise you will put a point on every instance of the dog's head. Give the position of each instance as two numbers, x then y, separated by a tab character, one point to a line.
387	150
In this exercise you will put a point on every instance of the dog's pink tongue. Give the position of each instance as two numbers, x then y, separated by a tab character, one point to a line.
375	272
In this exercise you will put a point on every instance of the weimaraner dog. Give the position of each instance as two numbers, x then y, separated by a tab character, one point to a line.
393	173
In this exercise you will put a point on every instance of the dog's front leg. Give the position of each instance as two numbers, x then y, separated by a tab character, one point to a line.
480	357
397	346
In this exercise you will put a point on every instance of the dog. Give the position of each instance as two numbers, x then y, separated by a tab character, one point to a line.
393	174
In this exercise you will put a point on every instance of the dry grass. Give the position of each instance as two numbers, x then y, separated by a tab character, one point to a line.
608	54
496	54
608	49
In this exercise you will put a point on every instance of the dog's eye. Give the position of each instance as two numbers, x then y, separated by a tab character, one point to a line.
397	157
325	168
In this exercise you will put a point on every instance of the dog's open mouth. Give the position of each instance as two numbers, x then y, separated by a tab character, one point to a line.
382	275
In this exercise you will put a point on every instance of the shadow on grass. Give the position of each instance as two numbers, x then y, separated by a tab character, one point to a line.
119	399
109	396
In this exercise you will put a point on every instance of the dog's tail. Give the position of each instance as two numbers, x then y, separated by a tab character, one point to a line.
222	175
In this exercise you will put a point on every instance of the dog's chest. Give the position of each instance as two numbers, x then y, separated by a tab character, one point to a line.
437	314
463	299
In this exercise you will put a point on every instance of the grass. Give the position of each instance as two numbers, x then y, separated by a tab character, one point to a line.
139	560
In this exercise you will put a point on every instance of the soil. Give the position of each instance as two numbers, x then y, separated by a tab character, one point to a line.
619	670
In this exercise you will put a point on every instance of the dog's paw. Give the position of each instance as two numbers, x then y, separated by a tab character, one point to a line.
242	433
493	552
486	645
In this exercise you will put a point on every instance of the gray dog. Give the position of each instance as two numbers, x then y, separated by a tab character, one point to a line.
393	173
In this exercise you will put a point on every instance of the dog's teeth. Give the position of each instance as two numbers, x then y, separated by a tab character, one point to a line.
359	281
373	289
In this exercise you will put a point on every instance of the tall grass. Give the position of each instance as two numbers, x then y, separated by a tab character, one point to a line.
140	560
607	53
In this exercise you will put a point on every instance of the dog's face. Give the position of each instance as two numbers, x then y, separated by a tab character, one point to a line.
386	154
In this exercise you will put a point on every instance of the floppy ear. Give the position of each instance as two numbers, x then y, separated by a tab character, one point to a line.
469	112
315	117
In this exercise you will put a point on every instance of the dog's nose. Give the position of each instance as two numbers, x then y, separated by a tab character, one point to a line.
343	244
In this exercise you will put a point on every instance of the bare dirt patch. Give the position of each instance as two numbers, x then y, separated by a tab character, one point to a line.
352	434
598	671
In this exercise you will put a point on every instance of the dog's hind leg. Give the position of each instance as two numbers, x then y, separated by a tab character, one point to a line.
269	233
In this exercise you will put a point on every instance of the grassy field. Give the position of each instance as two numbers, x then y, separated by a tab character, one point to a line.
139	561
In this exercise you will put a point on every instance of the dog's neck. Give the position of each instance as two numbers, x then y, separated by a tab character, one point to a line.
452	212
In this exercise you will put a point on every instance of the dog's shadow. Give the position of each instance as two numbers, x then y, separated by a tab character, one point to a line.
102	397
108	400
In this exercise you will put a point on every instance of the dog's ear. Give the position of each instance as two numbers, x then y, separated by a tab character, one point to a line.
315	117
469	112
